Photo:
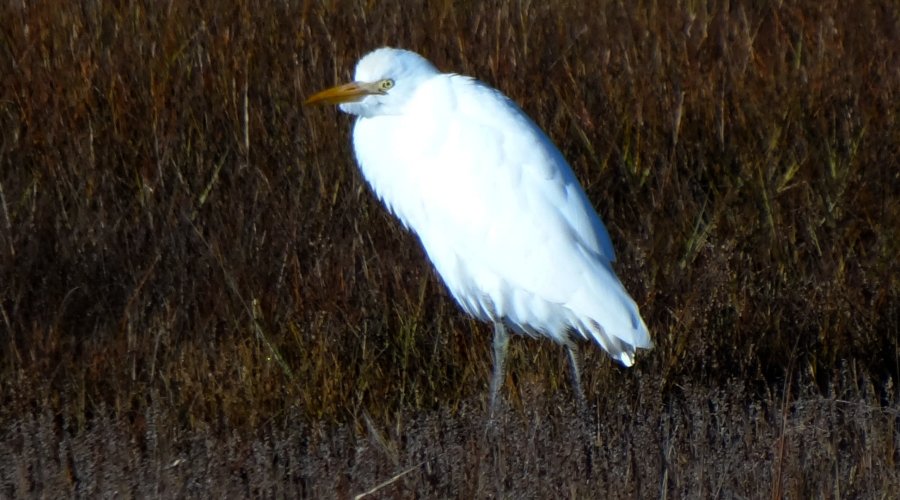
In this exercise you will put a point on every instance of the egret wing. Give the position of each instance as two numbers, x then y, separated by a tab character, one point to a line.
498	210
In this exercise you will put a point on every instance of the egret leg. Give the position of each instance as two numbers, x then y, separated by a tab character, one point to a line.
575	363
583	416
501	342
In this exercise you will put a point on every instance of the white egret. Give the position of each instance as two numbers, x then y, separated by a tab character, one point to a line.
497	208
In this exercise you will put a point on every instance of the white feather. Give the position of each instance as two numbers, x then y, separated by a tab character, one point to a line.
496	207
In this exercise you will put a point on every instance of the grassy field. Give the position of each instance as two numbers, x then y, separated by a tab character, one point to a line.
200	297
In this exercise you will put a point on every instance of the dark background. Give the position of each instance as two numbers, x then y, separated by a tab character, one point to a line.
200	297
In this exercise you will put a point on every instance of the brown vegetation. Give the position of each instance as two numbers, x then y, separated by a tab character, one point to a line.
198	296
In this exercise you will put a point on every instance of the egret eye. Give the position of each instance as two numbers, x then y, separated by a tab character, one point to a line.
386	84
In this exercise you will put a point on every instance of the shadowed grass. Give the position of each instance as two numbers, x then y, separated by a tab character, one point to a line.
192	268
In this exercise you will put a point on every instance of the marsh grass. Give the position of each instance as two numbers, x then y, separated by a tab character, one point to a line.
199	296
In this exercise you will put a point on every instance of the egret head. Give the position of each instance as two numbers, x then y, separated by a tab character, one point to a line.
384	81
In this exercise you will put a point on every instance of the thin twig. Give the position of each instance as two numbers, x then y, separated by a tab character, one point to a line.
388	482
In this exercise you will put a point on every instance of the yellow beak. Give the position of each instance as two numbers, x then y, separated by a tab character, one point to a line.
350	92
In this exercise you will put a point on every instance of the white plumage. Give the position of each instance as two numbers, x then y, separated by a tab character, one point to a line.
496	207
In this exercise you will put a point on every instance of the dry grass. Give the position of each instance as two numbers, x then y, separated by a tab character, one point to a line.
192	271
